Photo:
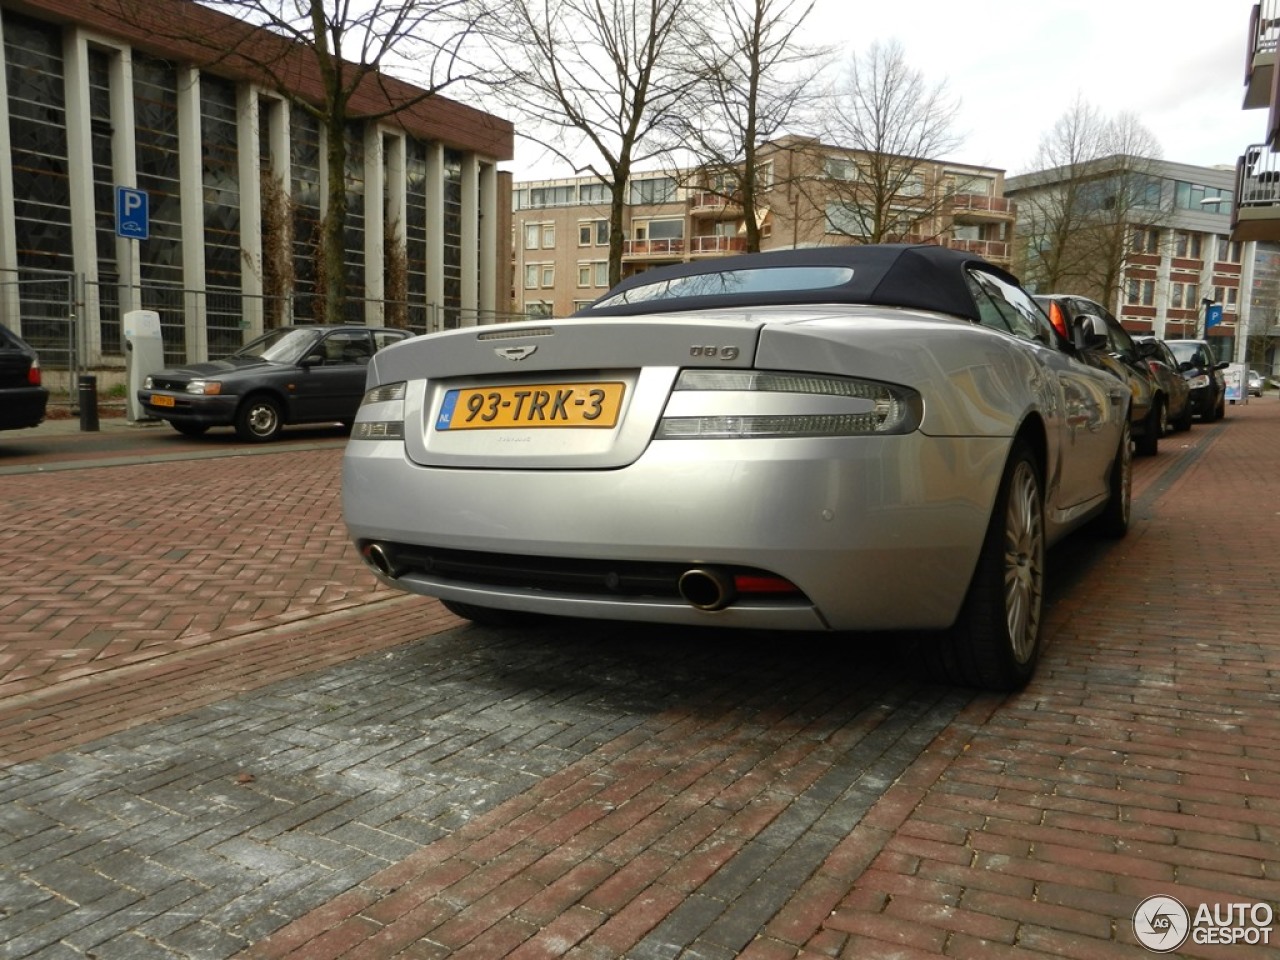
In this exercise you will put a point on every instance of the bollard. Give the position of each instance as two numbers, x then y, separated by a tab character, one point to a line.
88	403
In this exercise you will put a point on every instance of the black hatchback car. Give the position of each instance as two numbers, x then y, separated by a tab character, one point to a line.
296	374
1104	343
22	397
1203	371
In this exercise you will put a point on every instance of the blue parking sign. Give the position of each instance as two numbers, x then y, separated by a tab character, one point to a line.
1212	315
132	220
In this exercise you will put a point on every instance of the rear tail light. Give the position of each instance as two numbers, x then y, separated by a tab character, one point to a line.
33	373
837	407
384	408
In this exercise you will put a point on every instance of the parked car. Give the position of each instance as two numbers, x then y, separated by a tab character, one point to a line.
863	438
1107	345
1255	383
1164	367
295	374
23	398
1203	372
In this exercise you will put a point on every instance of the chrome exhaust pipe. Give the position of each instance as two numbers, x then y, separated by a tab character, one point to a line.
379	558
706	589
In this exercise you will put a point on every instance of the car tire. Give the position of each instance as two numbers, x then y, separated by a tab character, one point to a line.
259	419
995	641
190	429
1113	522
488	616
1155	427
1220	410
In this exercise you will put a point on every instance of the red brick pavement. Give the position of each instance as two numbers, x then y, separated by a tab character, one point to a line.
1143	759
174	585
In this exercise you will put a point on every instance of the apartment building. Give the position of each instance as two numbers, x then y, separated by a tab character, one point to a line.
1180	252
811	194
236	184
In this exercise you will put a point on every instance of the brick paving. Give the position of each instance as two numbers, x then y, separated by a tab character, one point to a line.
220	738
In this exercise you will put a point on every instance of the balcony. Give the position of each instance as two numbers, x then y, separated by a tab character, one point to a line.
1260	58
994	250
1255	212
709	205
717	246
979	208
666	250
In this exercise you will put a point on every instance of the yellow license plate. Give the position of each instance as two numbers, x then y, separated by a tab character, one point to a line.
532	405
159	400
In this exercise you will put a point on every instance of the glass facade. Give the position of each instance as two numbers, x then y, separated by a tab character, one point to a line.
38	136
66	230
222	260
452	239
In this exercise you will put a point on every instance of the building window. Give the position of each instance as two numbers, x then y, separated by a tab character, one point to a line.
1187	245
840	168
593	232
846	219
538	309
653	190
539	236
1141	293
1145	240
552	196
1229	297
593	274
594	193
548	275
1228	250
1184	296
1195	196
531	276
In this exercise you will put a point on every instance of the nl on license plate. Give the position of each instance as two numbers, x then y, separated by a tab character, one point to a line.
532	405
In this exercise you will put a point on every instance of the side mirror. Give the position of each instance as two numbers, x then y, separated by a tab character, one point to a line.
1222	364
312	360
1089	333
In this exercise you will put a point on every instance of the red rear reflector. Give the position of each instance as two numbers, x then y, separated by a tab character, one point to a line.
745	583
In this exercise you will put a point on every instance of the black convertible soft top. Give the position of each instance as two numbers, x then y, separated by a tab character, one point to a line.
919	276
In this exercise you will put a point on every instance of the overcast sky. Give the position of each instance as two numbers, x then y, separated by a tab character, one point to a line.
1018	65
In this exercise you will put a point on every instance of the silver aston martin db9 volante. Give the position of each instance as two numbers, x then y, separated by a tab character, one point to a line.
863	438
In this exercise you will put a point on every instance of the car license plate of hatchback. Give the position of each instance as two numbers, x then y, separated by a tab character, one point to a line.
534	405
160	400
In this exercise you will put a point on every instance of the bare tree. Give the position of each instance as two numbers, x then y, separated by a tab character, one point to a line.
328	59
886	128
756	74
1093	185
608	75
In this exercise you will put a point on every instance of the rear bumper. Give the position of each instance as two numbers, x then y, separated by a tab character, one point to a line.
877	533
22	407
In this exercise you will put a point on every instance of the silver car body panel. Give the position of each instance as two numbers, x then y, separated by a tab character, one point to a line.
878	532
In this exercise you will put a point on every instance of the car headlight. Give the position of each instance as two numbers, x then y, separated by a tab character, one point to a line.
387	421
205	388
148	384
1199	381
814	405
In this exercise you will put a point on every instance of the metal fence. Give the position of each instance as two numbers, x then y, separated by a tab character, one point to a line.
76	324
